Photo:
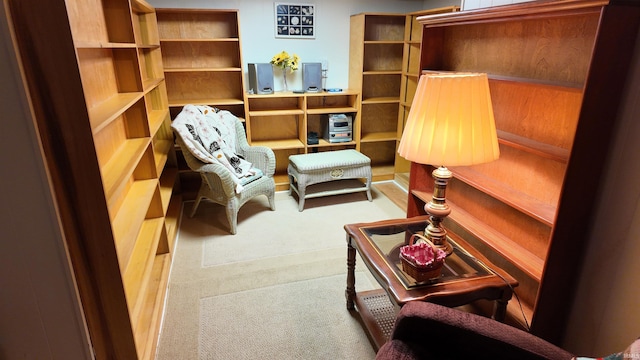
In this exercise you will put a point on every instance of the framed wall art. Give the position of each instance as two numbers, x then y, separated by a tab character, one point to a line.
295	20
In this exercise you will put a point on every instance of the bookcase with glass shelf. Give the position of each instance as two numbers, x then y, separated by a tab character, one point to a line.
283	120
202	59
530	210
106	93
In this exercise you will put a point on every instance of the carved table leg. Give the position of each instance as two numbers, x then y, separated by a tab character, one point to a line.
500	307
350	293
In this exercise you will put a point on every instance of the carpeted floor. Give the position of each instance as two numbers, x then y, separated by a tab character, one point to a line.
273	291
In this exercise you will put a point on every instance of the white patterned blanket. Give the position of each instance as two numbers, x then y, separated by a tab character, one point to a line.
210	136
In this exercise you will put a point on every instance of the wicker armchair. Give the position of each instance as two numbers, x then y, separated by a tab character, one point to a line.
219	186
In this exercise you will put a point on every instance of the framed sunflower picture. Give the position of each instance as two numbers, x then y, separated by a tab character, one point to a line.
295	20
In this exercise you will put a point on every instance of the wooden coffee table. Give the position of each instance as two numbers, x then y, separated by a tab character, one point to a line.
467	276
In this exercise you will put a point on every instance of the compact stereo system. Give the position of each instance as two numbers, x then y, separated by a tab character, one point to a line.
338	128
312	77
261	78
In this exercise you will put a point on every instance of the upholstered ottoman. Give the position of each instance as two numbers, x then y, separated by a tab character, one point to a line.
322	167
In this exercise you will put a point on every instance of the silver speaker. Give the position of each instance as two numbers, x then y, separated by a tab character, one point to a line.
261	78
312	77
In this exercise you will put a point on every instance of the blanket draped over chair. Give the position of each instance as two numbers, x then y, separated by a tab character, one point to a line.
210	136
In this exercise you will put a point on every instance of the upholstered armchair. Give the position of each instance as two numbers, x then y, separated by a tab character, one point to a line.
218	184
428	331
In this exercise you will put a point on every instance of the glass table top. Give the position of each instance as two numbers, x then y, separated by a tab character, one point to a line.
460	265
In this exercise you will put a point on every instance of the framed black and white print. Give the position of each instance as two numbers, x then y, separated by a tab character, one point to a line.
295	20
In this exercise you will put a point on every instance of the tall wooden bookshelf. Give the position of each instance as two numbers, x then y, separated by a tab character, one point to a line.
202	60
375	68
409	80
384	54
556	73
94	72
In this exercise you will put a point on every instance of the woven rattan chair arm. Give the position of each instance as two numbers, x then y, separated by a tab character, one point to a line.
262	158
219	178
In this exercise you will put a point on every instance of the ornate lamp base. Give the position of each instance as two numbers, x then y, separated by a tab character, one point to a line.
438	210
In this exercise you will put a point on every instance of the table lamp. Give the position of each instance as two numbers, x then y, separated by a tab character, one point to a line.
450	123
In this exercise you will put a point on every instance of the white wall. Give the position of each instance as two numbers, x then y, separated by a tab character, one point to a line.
476	4
331	43
40	315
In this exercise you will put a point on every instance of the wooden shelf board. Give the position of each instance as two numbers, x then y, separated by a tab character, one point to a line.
381	72
104	45
148	46
384	42
109	110
172	218
282	144
141	6
137	269
276	112
167	180
562	86
382	170
200	40
122	165
381	100
331	110
517	255
326	93
325	143
150	84
520	201
533	147
156	119
161	153
281	179
379	136
277	95
207	101
147	326
127	222
224	69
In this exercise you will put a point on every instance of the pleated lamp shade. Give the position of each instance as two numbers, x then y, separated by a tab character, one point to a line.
451	122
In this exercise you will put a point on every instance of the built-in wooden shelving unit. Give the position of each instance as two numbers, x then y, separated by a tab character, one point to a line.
282	121
95	74
555	88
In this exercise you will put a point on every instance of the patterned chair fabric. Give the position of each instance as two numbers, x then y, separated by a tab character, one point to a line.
218	183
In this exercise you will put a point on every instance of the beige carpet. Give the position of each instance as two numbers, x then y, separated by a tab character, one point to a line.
273	291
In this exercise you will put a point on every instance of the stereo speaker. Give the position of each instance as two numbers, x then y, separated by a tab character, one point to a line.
312	77
261	78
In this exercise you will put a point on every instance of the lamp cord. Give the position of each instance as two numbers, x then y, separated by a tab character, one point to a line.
513	291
